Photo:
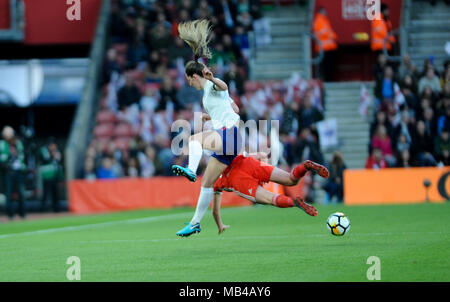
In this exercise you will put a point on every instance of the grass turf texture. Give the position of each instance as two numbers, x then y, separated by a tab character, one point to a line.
263	244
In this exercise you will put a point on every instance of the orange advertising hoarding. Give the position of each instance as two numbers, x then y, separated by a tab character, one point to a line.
138	193
396	185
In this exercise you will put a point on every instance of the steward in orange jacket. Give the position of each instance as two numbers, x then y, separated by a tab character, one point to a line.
381	26
323	31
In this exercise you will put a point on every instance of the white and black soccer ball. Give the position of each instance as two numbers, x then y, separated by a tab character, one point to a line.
338	224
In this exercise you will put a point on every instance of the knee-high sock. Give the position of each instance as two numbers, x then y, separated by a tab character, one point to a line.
206	195
298	172
195	155
282	201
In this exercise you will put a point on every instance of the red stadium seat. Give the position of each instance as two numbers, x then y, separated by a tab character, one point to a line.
106	116
123	130
104	130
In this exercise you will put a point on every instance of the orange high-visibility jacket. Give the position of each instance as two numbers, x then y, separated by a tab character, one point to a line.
323	31
380	30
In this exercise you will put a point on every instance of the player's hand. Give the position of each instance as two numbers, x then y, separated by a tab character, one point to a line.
205	117
223	228
207	74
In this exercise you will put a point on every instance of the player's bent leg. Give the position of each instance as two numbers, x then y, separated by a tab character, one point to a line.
282	177
209	140
263	196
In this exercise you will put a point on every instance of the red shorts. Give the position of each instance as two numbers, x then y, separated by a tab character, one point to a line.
243	177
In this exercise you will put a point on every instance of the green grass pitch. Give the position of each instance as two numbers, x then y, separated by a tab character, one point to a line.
263	244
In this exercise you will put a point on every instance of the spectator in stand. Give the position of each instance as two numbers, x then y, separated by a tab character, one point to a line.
110	65
442	147
128	94
168	94
422	147
234	80
430	79
89	169
404	160
146	162
221	57
245	20
105	170
376	160
381	120
160	37
444	121
309	115
382	141
403	143
404	127
380	65
445	79
430	122
133	168
155	70
307	147
231	47
407	68
227	12
178	49
335	183
203	10
384	88
409	91
149	100
137	50
241	39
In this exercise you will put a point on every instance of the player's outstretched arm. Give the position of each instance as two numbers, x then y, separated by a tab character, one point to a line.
218	83
216	213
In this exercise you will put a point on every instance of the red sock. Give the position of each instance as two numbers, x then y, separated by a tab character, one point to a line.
298	172
282	201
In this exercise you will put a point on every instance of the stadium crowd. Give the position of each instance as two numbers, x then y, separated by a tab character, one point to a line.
145	90
411	125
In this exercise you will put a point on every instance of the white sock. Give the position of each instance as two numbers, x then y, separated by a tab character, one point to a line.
206	195
195	155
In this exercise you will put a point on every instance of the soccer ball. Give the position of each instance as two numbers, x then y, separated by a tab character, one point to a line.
338	224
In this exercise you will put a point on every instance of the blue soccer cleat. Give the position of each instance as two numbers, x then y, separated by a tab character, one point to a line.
182	171
189	230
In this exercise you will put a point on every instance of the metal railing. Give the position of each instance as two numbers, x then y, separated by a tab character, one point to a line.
83	123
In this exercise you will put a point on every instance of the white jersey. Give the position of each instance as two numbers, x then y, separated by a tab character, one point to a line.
218	106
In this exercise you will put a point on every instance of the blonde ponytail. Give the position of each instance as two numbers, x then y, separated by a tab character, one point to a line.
196	35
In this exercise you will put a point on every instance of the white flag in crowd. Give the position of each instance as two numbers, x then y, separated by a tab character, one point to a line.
328	133
399	97
365	101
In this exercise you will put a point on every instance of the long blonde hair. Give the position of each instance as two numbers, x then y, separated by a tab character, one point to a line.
197	35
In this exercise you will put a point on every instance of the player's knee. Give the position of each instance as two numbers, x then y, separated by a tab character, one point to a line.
207	182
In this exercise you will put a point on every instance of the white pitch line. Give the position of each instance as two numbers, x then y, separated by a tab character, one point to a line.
325	234
96	225
108	223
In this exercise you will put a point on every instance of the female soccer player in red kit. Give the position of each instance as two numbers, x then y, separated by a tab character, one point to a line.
246	175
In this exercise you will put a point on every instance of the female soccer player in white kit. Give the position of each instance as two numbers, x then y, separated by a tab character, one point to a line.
225	140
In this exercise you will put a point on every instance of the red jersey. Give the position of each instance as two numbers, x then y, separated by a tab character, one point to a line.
243	177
